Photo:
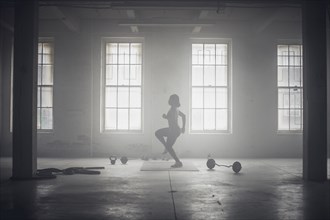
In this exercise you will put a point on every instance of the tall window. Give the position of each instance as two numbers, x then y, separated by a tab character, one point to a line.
290	87
210	88
45	85
122	87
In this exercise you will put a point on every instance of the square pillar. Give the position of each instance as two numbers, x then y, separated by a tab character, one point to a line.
25	89
315	90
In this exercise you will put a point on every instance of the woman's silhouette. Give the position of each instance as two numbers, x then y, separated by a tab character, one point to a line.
173	131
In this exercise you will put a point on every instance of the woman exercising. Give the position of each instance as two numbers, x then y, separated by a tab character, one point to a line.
173	131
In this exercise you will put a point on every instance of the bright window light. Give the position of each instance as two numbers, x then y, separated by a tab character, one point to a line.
45	85
123	87
210	88
290	87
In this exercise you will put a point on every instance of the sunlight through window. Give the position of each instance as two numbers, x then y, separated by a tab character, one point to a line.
123	87
290	87
45	86
210	88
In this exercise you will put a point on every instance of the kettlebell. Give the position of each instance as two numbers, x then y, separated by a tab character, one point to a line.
123	160
112	160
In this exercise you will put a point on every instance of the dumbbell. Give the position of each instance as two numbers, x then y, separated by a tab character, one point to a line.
236	166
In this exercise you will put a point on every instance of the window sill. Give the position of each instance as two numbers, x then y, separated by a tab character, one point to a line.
45	131
109	132
211	132
289	132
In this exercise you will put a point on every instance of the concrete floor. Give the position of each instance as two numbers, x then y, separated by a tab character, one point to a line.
265	189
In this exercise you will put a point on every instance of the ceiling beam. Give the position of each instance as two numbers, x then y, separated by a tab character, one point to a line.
197	29
67	18
202	15
131	15
268	21
134	29
165	24
200	4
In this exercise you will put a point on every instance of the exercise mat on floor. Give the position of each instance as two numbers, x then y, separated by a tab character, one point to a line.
166	166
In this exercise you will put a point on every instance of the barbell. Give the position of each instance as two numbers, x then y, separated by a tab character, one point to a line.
113	159
236	166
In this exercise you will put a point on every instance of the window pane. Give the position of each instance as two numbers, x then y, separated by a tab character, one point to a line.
39	58
136	53
209	119
123	98
123	119
295	98
282	54
294	53
39	97
221	53
123	75
283	119
209	51
38	118
110	118
221	76
135	119
282	76
47	59
209	98
111	75
111	53
197	119
111	59
222	119
47	74
46	97
39	74
45	83
290	98
210	86
110	97
47	48
209	75
111	48
221	98
39	47
124	53
197	97
295	76
46	118
135	97
197	75
283	98
197	54
135	75
295	119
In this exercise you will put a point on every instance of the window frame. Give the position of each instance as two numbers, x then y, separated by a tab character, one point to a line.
288	66
103	86
51	41
229	86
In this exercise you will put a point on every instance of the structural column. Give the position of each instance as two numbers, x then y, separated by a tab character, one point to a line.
25	89
315	90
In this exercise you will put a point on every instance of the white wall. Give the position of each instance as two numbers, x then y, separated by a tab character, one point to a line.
166	71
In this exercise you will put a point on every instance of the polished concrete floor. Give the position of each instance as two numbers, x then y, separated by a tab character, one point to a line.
264	189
